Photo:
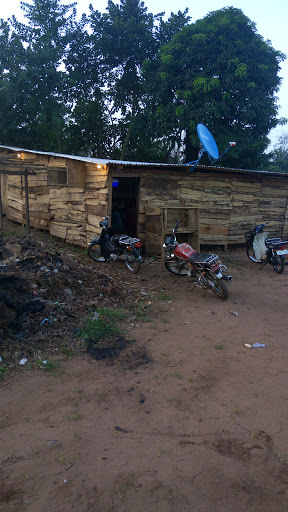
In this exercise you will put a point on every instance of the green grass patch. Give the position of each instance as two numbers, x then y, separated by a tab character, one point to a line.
164	297
48	366
141	311
8	234
3	371
68	351
103	325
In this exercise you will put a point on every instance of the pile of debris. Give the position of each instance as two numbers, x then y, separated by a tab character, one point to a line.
46	291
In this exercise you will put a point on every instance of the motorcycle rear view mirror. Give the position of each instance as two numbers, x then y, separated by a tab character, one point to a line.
209	145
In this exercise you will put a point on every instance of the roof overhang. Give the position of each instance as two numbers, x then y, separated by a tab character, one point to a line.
143	165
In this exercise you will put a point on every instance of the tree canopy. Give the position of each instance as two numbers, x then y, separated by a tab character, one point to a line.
279	155
130	84
218	71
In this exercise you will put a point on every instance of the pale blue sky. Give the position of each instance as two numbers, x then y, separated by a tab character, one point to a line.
271	20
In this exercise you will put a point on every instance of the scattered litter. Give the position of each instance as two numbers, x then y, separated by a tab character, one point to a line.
0	359
255	345
234	313
95	316
65	480
120	429
23	361
67	291
46	320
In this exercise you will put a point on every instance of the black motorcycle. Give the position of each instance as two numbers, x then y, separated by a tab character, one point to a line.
261	249
111	247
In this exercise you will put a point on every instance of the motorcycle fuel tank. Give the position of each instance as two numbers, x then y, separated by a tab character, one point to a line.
183	251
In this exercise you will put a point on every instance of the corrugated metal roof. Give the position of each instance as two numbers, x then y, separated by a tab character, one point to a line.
127	163
102	161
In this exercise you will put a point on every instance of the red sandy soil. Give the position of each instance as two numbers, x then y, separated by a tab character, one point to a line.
186	419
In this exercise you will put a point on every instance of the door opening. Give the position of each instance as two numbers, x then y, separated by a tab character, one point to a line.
124	205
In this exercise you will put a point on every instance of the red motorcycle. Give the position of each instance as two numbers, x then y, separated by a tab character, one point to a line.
206	269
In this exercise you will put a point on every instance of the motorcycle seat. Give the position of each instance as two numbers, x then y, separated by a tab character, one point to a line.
197	257
116	237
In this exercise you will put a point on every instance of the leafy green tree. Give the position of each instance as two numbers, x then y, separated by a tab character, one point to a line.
125	36
87	128
220	72
279	155
12	96
36	85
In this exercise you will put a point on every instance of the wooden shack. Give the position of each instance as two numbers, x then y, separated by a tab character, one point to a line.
68	195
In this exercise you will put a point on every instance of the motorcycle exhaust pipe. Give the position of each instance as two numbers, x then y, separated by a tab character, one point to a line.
226	278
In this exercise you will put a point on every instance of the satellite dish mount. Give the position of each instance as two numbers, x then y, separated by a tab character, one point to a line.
209	145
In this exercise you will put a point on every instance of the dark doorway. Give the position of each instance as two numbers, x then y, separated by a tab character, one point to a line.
124	205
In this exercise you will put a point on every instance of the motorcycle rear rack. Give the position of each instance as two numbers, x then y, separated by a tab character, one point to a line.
128	240
210	260
275	242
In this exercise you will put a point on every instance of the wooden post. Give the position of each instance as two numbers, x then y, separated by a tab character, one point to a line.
1	216
27	203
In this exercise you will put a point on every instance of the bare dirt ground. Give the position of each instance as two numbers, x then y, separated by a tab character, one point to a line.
185	419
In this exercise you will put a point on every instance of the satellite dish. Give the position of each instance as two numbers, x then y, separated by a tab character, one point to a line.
207	141
209	145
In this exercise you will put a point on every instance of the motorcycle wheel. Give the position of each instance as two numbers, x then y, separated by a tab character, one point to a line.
131	262
94	251
217	286
251	255
278	264
175	266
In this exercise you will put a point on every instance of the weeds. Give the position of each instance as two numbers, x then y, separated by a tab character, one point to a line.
177	375
68	351
61	458
141	312
48	365
103	325
100	395
75	417
3	371
164	297
121	492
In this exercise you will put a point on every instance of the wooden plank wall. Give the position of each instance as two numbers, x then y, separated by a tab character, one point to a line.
229	205
96	198
69	212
